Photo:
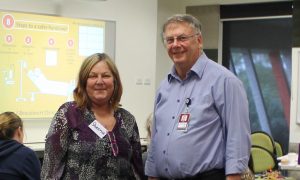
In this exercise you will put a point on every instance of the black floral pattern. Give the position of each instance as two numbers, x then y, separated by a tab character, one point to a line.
74	151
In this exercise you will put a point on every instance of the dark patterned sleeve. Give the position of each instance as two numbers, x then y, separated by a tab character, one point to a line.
137	152
56	145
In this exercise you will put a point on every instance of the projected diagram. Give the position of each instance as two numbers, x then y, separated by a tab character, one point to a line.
44	85
39	59
8	75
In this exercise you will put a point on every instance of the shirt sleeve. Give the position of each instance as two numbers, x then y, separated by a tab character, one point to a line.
236	126
150	167
56	146
31	166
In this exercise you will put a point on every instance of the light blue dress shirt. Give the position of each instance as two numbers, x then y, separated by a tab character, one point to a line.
218	133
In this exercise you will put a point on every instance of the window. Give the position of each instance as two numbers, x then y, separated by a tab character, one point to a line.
258	51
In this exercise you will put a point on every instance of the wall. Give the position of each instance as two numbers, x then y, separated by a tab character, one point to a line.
207	15
295	95
136	26
163	63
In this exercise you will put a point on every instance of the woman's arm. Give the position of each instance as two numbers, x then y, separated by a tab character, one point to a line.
137	153
56	146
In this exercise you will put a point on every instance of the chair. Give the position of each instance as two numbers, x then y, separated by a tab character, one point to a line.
278	149
262	160
262	139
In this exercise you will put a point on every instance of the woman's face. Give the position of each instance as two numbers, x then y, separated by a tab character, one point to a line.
19	135
100	84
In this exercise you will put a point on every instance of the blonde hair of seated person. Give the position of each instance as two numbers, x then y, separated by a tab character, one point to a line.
149	125
11	127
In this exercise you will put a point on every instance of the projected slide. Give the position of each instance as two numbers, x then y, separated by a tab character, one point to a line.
39	60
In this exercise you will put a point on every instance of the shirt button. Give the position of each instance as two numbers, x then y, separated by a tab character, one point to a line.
178	100
168	134
166	169
164	152
173	117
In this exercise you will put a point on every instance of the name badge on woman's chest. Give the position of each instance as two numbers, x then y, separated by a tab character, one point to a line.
98	128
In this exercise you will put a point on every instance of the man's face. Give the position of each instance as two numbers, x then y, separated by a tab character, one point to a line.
183	43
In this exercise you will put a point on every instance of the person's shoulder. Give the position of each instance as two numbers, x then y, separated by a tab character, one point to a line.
127	121
219	70
213	64
9	147
124	112
126	116
163	84
29	157
222	75
26	150
67	104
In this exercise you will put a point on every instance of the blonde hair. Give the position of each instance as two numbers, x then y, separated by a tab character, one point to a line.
9	123
80	95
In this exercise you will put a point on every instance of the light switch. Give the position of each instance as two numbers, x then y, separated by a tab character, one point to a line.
139	81
147	81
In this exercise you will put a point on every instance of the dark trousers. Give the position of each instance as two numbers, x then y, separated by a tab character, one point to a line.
215	174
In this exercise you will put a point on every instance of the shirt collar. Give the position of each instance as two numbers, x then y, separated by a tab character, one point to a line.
197	69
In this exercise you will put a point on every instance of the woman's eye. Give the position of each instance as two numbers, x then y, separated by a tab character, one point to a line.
92	76
106	76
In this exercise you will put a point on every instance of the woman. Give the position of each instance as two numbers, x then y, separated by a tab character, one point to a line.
17	162
92	137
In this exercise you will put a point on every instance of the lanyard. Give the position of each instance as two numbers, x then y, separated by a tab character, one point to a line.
188	102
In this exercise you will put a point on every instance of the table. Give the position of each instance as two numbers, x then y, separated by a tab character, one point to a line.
292	169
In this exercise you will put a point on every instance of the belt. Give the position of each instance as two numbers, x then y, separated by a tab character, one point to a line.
215	174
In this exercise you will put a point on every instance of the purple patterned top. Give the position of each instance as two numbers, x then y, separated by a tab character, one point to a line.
74	151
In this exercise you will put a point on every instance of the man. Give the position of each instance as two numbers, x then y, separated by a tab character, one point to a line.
201	124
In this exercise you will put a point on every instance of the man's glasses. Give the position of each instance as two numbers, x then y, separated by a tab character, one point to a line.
113	143
181	38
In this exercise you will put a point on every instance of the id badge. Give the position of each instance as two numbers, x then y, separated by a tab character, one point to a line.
98	129
183	121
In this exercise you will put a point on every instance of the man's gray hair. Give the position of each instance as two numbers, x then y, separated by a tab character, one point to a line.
177	18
